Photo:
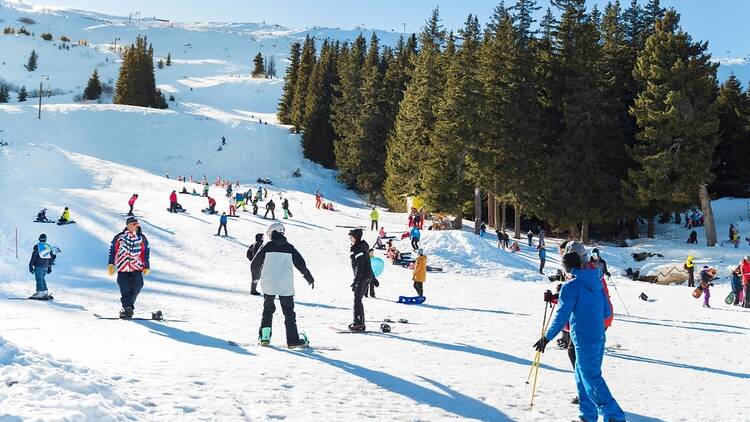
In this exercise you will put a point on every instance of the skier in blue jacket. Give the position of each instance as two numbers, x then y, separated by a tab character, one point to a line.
584	304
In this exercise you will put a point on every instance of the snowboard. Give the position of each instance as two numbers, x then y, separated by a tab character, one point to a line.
48	221
730	299
412	300
346	331
66	223
205	211
42	299
179	211
698	292
138	319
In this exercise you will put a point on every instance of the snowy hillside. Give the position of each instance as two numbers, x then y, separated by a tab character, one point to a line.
465	354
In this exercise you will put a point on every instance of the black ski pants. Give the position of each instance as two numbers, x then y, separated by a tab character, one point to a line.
173	207
414	243
359	308
224	225
419	288
273	216
374	223
290	318
130	284
691	278
131	210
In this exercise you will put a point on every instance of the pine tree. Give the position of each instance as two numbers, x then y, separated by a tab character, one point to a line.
445	185
416	118
160	64
259	67
4	94
729	158
347	109
306	66
271	67
398	69
94	87
31	64
318	134
136	84
169	59
284	112
677	116
22	94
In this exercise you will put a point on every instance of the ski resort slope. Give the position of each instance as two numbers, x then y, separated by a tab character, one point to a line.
464	356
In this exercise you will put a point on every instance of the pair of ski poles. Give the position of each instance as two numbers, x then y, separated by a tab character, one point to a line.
618	294
538	356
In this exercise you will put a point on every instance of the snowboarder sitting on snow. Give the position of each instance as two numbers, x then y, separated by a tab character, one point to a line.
514	247
131	203
379	243
272	265
41	216
184	190
65	217
270	207
583	303
360	259
211	205
251	252
381	233
40	264
129	256
419	276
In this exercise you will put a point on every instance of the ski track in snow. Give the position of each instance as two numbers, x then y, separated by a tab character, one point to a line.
466	357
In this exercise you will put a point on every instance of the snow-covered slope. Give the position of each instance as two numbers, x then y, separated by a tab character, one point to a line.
466	355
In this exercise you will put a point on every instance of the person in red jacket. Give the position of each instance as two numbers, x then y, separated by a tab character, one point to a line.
745	267
131	202
173	201
211	205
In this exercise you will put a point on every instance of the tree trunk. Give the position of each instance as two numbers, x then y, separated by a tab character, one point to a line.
490	209
708	215
503	220
477	209
574	232
633	228
650	230
584	232
517	222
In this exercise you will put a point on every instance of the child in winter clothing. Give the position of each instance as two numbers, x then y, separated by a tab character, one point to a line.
40	264
374	282
272	266
419	276
211	205
223	223
514	247
737	283
530	237
232	204
285	207
707	277
42	216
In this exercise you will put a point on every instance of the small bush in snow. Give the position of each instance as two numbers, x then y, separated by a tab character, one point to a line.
64	38
46	36
9	30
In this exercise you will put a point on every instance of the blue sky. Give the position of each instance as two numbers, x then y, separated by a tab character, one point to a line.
721	22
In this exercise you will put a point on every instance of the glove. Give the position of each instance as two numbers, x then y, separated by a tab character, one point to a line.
310	280
146	271
111	269
548	296
49	269
541	344
31	269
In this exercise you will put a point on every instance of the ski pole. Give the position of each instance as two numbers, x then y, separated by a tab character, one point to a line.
536	356
618	295
539	359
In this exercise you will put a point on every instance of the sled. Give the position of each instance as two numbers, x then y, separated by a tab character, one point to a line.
411	300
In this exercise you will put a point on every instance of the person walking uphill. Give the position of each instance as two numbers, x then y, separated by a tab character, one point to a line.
583	303
40	264
420	272
131	202
272	265
374	216
360	259
129	256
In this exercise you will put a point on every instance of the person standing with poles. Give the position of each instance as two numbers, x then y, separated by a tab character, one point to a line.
129	255
582	302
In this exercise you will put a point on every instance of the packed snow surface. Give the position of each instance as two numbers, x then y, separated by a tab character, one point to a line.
465	354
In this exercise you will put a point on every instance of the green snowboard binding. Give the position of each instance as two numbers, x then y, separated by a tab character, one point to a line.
265	336
303	343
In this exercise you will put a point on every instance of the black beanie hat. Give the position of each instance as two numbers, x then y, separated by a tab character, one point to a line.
42	237
259	237
357	233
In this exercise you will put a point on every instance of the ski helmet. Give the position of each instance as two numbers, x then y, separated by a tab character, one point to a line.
385	328
275	227
578	248
42	237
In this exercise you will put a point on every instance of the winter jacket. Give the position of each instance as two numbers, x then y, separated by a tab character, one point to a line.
745	272
688	264
173	197
542	253
415	234
584	304
360	258
253	250
211	202
43	259
420	269
129	252
285	204
270	205
132	200
601	265
374	215
66	215
272	265
239	197
223	219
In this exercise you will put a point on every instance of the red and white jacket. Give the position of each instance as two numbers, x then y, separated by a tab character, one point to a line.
129	252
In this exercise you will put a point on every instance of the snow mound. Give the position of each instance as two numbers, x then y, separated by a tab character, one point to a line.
464	252
36	387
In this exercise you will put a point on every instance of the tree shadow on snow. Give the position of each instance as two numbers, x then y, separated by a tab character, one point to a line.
449	400
678	365
713	324
624	318
192	337
466	348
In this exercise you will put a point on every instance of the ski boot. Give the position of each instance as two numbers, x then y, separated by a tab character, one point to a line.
302	343
38	295
265	336
126	313
254	289
356	328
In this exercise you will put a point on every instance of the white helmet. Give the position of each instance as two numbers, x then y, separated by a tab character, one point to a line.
578	248
275	227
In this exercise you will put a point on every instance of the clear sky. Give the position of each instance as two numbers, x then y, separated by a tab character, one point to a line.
721	22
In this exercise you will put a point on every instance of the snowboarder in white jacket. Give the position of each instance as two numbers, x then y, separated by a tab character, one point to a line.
273	266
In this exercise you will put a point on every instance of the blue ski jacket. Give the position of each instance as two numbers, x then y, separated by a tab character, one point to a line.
223	219
415	233
584	304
